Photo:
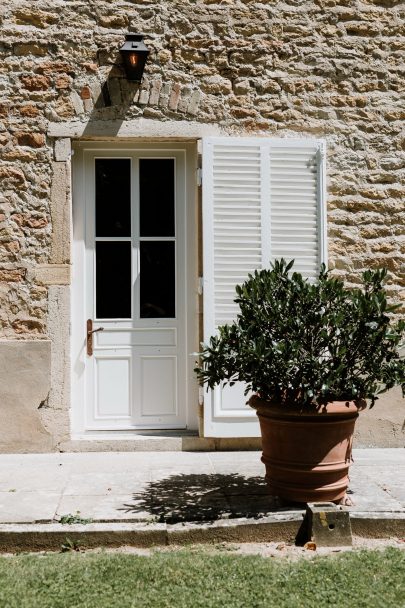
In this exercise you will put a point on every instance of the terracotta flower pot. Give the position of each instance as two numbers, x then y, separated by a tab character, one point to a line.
307	455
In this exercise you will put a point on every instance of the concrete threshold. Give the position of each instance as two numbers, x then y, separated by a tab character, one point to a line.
158	441
279	527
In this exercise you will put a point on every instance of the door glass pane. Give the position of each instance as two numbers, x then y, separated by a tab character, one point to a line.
157	279
113	280
113	197
156	195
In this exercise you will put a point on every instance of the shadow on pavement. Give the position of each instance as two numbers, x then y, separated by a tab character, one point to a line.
195	497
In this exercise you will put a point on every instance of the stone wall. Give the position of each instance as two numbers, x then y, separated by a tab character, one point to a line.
325	68
322	68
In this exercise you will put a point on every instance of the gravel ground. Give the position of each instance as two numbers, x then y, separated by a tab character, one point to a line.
279	549
271	549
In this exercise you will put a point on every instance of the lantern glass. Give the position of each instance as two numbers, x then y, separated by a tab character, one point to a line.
133	60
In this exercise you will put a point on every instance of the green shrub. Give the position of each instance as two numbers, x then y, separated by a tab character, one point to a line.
301	343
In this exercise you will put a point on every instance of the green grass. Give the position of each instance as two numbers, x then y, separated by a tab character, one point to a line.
193	579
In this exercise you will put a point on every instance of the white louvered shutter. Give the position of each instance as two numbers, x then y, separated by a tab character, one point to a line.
262	200
296	225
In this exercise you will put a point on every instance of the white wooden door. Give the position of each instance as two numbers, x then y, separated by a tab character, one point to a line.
135	289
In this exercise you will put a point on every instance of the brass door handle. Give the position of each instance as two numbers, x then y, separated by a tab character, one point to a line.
89	336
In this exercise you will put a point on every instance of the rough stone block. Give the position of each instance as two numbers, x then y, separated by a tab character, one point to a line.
194	102
14	275
174	97
4	109
12	174
88	105
328	526
144	93
96	93
29	110
63	149
36	83
28	327
164	94
34	140
76	102
215	85
155	92
63	82
39	50
85	93
184	99
241	87
37	18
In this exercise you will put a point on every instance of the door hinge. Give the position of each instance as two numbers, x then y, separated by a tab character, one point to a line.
200	287
321	152
201	395
199	176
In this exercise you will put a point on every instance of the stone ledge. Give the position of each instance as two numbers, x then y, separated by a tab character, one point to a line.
163	443
39	537
278	527
139	127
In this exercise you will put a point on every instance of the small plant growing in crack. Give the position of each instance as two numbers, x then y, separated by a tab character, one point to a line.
71	545
70	519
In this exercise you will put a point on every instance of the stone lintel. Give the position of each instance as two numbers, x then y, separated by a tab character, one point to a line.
139	128
53	274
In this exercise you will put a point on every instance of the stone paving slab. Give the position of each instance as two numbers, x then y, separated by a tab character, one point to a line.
26	507
379	457
175	487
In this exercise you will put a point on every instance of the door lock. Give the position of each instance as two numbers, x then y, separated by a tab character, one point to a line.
89	336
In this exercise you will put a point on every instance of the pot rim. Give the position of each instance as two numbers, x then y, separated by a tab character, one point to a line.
339	408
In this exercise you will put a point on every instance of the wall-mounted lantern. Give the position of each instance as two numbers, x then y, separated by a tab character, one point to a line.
134	54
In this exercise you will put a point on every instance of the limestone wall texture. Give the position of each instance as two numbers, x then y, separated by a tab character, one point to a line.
326	68
322	68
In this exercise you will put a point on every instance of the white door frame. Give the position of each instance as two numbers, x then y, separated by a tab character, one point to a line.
78	324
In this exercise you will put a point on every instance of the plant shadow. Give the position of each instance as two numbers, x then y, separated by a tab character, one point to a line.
202	497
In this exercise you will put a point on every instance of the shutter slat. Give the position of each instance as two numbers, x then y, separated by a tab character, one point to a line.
294	213
236	221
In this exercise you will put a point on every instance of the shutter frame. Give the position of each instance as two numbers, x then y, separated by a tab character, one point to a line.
225	414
